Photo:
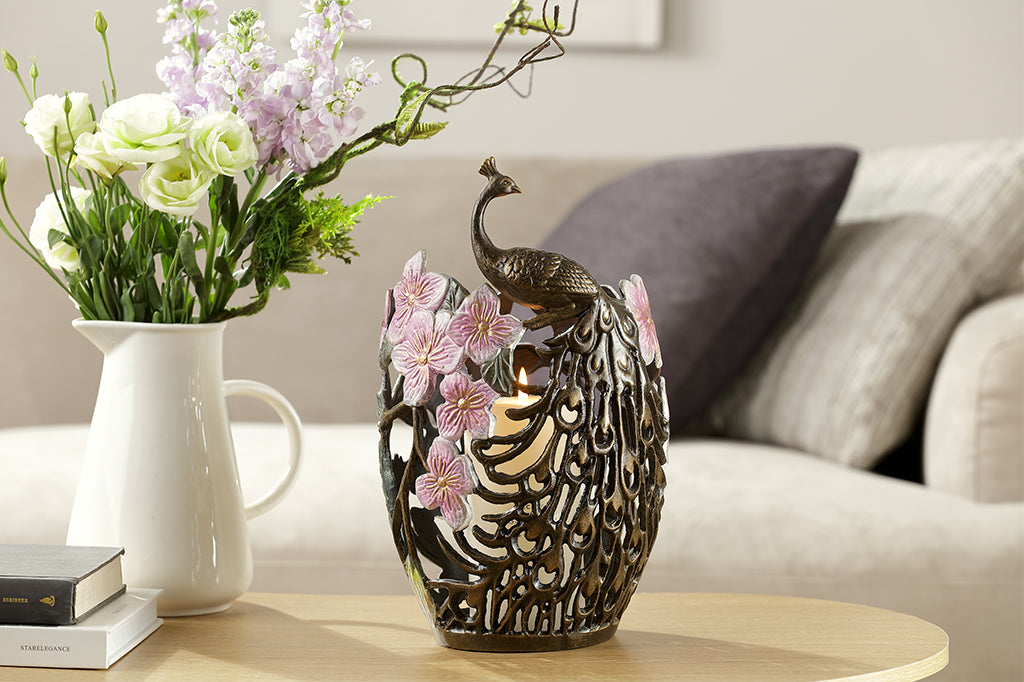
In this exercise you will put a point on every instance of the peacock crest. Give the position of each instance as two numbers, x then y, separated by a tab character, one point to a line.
489	168
534	537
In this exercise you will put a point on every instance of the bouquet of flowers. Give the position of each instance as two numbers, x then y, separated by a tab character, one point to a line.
202	221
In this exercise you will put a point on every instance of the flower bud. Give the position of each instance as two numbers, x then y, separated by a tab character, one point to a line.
10	63
33	71
101	23
3	170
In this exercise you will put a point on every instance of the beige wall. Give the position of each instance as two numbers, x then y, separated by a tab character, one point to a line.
731	73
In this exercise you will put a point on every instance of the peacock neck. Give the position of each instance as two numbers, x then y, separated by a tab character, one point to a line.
483	248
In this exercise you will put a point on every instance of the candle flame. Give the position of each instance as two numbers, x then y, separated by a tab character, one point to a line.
522	397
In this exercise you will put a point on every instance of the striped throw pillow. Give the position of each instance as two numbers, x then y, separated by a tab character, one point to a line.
924	236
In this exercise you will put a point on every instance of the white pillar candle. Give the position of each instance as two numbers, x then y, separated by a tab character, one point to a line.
505	425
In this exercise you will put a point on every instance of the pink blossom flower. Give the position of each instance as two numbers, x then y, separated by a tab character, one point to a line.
418	290
424	351
467	407
636	300
480	329
446	484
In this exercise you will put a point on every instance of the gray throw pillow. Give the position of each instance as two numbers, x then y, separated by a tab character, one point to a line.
925	234
722	243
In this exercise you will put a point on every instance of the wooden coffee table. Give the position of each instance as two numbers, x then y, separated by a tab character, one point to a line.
662	636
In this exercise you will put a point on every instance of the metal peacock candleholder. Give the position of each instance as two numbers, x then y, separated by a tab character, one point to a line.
525	511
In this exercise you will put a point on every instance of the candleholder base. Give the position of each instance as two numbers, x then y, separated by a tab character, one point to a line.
494	643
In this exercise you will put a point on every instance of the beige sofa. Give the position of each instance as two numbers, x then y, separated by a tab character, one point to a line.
744	511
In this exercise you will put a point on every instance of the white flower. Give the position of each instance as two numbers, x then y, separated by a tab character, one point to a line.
47	122
145	128
91	153
223	142
49	217
176	186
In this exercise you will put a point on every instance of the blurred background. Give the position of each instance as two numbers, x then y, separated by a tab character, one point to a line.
721	74
648	80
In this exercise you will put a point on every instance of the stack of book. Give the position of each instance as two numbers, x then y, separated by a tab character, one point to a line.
67	607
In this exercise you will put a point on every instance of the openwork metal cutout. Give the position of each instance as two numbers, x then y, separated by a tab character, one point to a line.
525	509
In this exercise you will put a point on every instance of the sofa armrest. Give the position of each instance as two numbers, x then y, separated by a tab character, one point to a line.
974	428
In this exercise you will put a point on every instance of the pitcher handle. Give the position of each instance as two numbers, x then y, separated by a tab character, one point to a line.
286	412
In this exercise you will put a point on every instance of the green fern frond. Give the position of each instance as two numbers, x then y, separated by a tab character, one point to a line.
332	221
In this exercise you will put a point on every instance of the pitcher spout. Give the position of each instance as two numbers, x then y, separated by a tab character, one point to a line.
103	334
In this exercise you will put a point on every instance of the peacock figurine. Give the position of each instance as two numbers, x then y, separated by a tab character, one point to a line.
537	279
567	506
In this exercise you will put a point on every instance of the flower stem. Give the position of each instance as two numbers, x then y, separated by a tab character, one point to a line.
102	29
34	256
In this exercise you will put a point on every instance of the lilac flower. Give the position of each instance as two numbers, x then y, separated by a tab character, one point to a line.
418	290
233	77
317	96
447	483
467	407
299	111
481	329
636	300
189	42
424	351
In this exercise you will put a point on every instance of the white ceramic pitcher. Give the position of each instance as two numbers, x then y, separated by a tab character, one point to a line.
159	476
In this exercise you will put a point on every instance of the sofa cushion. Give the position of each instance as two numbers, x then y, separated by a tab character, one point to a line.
722	244
924	236
973	440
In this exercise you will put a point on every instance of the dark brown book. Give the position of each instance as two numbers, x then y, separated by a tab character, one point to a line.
56	584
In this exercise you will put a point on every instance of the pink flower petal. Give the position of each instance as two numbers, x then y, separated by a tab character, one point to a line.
418	290
480	329
424	351
455	511
635	293
467	407
446	484
419	385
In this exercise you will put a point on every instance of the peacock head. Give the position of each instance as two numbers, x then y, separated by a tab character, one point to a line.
500	185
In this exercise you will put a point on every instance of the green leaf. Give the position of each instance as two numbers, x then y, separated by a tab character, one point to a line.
455	295
187	253
498	373
248	275
119	216
127	306
220	265
151	292
426	130
100	296
91	253
408	115
225	195
166	233
384	353
54	237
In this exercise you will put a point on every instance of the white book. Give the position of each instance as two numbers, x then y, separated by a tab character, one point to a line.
95	642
